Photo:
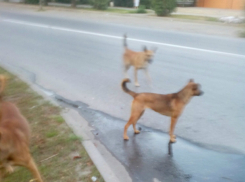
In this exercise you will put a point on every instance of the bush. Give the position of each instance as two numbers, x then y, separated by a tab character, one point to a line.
32	1
164	7
63	1
99	4
83	2
146	3
141	9
69	1
124	3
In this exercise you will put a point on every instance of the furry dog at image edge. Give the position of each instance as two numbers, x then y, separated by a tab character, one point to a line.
139	60
14	139
171	105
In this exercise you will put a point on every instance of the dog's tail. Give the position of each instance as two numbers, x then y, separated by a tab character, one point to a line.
2	81
125	41
125	89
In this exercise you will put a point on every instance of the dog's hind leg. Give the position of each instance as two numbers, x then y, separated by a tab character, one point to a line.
172	126
136	112
134	123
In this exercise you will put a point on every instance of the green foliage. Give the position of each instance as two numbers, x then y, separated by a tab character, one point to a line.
99	4
124	3
69	1
141	9
164	7
63	1
83	2
146	3
32	1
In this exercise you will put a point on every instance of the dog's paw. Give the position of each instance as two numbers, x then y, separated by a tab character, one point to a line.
136	131
174	136
125	138
9	169
137	84
172	140
33	180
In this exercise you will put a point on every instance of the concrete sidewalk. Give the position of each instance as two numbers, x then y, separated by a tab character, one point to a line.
210	12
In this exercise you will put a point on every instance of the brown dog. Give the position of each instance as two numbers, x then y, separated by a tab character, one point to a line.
171	105
139	60
14	139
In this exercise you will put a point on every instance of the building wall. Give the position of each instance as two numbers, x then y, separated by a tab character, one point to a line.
223	4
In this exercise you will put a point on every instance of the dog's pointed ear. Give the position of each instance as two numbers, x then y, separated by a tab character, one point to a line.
144	48
191	80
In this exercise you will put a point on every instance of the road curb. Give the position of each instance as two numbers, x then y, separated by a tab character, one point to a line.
98	160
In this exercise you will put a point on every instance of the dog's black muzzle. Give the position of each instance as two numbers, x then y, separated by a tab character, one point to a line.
150	61
201	93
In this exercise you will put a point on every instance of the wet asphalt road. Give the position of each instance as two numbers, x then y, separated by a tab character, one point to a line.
149	156
87	68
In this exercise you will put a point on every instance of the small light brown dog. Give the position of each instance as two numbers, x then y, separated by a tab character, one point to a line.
171	105
139	60
14	139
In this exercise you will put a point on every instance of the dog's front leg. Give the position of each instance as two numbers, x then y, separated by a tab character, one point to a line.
136	77
33	168
172	127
